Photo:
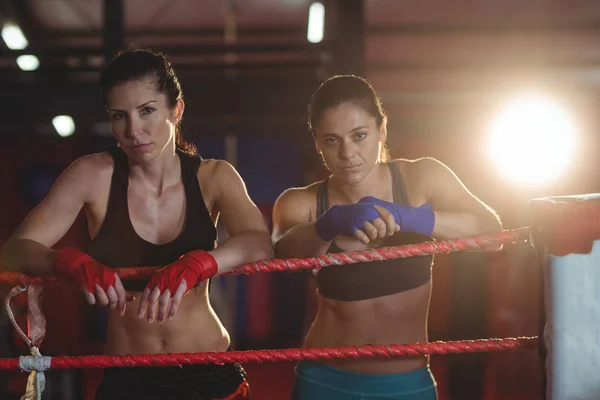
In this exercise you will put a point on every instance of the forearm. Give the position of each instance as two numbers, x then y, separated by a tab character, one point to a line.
27	256
460	224
243	248
301	241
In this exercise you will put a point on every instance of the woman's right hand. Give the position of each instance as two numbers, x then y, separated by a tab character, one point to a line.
365	221
101	284
383	226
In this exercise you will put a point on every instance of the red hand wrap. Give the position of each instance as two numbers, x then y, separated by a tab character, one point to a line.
195	267
77	266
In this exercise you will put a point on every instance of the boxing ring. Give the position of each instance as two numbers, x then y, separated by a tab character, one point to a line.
564	233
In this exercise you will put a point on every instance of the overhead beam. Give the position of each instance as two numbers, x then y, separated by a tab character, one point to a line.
481	28
310	62
489	63
186	32
114	28
191	72
345	26
31	28
192	49
300	32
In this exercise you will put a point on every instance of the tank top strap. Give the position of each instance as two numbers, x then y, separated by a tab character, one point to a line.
190	165
189	168
121	171
117	198
322	198
398	188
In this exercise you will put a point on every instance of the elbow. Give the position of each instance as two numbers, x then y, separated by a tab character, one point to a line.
281	251
485	224
476	224
265	248
2	261
493	224
489	226
5	264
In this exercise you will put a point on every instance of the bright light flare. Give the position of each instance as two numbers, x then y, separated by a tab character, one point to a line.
532	140
28	62
13	36
316	22
64	125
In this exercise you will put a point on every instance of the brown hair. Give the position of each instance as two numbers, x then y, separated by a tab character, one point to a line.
130	65
353	89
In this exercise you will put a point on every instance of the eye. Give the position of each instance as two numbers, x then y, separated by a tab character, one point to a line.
118	116
360	135
331	140
147	110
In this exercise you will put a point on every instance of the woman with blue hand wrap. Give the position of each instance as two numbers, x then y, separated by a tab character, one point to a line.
369	201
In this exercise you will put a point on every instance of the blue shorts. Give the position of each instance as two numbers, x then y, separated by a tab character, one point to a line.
317	381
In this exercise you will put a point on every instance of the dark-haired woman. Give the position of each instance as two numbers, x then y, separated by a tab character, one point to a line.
369	201
151	201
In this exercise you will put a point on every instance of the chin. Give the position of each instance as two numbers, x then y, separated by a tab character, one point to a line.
351	176
144	156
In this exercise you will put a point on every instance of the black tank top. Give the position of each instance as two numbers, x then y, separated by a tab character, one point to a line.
363	281
117	245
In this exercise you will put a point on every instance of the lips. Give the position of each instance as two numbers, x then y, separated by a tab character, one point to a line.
140	147
350	167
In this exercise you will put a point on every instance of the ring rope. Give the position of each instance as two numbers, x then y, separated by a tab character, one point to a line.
276	355
36	364
482	242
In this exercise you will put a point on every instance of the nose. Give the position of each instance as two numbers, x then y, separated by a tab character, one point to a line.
346	150
132	129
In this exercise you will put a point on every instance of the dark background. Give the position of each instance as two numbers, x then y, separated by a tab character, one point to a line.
443	70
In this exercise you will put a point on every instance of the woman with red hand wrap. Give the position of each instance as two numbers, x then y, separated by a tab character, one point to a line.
369	201
151	201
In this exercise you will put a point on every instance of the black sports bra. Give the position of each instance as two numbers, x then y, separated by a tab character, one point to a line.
363	281
118	245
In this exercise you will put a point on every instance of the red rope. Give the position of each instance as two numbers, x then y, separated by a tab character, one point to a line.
393	350
483	242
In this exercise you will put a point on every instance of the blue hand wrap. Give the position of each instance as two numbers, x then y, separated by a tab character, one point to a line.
344	220
411	219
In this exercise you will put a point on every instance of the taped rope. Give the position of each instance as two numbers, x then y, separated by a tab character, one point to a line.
36	365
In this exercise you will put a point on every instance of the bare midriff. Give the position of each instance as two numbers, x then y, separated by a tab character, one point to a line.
400	318
195	328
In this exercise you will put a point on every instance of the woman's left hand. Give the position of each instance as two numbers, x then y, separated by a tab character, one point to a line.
168	286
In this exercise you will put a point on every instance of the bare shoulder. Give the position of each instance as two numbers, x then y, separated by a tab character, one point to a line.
82	183
219	180
210	166
421	167
90	171
214	172
298	201
298	196
97	163
421	177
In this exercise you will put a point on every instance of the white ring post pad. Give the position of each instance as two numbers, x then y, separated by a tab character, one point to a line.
566	233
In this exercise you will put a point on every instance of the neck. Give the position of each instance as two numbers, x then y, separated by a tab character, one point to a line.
369	185
162	172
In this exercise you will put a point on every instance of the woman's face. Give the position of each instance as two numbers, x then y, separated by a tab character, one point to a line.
349	140
141	119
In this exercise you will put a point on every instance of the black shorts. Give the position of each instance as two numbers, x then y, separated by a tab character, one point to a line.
188	382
